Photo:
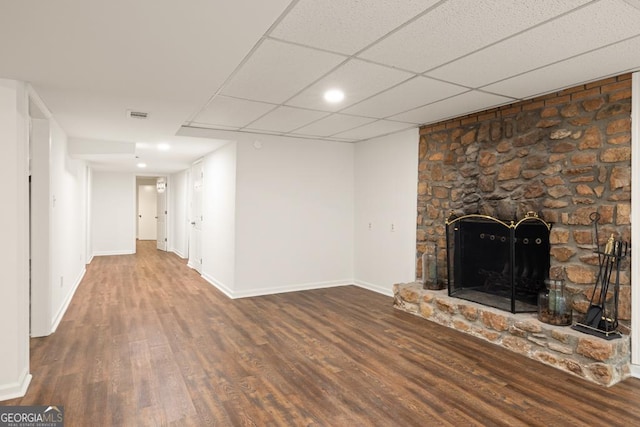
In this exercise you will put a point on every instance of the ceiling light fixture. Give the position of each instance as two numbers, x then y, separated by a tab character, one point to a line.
334	96
163	147
142	165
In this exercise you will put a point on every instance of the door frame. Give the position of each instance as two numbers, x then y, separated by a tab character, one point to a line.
635	219
196	264
162	211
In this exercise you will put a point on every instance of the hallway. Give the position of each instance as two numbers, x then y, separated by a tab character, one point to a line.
146	341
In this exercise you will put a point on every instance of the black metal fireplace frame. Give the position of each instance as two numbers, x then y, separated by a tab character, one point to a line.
518	303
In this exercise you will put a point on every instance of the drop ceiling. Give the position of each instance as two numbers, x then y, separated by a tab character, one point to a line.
207	67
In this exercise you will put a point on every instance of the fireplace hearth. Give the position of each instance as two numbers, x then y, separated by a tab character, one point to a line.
591	358
501	264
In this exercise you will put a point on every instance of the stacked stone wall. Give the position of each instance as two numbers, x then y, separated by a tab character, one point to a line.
563	155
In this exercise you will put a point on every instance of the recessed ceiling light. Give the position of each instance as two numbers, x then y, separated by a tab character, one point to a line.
163	147
334	96
142	165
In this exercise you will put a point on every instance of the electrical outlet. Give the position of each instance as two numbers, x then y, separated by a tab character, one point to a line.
370	226
393	227
61	281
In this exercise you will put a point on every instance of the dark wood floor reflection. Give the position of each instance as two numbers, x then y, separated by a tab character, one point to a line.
147	342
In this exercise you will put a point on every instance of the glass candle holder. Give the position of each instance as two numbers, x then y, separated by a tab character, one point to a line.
430	271
554	304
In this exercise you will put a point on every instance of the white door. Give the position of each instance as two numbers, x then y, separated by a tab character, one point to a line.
161	209
195	218
147	208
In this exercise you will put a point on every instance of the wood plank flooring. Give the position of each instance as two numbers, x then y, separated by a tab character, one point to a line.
147	342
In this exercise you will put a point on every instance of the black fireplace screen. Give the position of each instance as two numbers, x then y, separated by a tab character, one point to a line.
497	263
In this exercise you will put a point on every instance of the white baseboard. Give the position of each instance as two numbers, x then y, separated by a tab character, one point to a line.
291	288
384	290
177	252
274	290
218	284
67	301
17	389
89	261
116	252
635	371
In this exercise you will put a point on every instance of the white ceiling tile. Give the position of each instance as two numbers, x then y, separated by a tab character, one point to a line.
333	124
459	27
286	119
581	31
378	128
459	105
232	111
346	26
588	67
358	79
276	71
406	96
153	49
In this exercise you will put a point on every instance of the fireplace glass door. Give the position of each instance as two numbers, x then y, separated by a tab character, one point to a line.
497	263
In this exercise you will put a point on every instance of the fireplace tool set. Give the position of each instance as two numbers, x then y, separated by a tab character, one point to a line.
601	319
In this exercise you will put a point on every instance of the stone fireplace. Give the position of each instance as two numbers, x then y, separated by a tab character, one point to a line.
564	156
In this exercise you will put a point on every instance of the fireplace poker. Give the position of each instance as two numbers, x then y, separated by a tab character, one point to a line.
595	217
597	312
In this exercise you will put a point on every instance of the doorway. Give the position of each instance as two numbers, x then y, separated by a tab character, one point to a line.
151	216
147	212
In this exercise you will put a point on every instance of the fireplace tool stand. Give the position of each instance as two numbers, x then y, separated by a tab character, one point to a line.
601	319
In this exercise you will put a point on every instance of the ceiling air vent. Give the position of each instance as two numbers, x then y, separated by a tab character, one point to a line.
137	114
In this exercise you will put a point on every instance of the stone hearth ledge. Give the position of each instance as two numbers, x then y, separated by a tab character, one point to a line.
594	359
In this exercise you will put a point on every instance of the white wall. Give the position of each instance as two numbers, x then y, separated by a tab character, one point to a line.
386	180
58	224
288	214
178	227
113	215
219	218
14	251
294	215
68	222
40	237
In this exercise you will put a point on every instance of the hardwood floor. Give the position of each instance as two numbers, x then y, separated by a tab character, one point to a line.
147	342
